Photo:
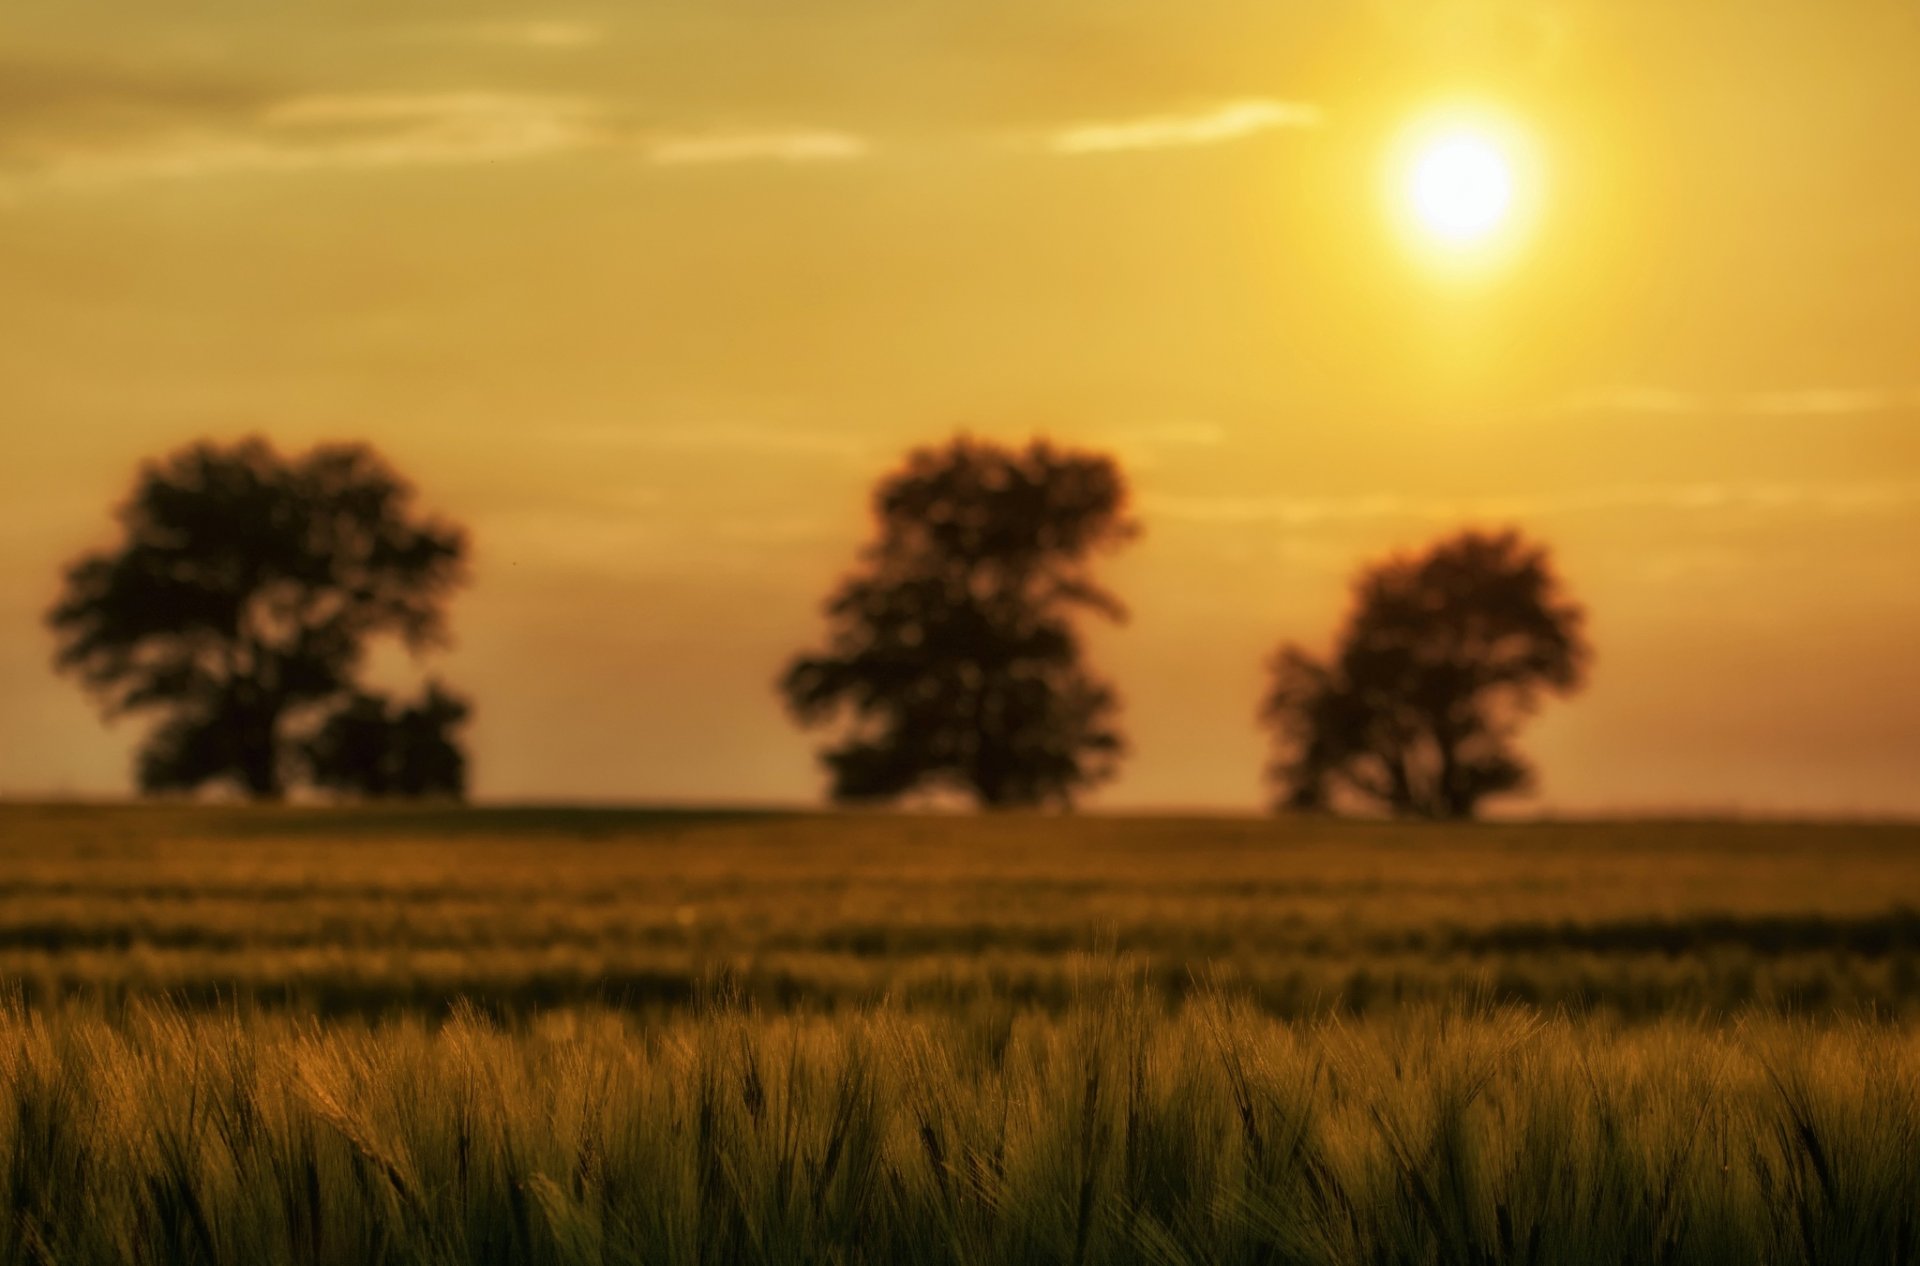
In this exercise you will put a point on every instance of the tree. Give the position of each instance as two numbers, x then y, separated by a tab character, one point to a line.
371	747
242	599
953	659
1443	656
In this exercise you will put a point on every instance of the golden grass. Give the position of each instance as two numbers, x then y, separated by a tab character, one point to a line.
1114	1132
375	911
416	1036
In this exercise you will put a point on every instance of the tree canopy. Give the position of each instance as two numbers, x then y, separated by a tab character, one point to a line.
1444	654
372	746
241	601
953	661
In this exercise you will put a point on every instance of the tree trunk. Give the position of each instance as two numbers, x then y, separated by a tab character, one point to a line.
260	757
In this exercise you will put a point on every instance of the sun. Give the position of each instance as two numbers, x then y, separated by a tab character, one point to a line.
1461	187
1463	182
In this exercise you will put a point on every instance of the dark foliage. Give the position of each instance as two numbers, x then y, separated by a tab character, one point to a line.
241	601
1443	656
952	648
370	747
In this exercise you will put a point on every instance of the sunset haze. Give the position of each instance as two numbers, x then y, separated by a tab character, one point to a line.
648	296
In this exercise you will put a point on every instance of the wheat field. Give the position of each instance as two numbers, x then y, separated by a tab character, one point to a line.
1113	1132
241	1035
369	912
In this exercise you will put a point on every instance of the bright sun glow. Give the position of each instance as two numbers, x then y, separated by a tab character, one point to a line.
1461	185
1464	184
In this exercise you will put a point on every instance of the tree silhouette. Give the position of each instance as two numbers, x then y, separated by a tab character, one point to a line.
242	599
952	655
370	747
1442	657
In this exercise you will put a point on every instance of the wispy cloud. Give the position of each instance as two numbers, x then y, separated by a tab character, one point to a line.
728	437
78	126
337	109
1828	402
638	544
1180	434
319	132
548	35
796	146
1854	498
1147	446
1696	562
395	129
1810	402
1230	121
539	35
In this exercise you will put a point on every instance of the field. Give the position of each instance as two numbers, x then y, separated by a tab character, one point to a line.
262	1035
518	910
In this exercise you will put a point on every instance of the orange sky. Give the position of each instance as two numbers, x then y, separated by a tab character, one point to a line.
648	294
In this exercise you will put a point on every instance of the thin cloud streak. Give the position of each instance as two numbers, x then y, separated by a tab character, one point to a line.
1180	434
1812	402
338	109
1865	498
542	35
547	35
1232	121
1829	402
346	131
728	437
378	130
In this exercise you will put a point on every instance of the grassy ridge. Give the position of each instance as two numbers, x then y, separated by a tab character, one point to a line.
369	912
1114	1132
